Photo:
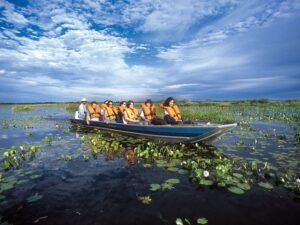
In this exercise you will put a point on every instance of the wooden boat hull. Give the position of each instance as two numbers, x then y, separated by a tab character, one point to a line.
187	133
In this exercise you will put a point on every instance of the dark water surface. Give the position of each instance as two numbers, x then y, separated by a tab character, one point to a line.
106	189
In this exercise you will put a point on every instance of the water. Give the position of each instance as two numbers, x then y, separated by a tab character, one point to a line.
105	189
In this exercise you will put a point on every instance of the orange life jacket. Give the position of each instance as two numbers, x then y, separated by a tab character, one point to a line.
121	109
103	106
94	113
149	112
112	112
132	114
173	111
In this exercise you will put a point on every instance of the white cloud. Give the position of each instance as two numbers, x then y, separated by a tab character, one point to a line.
72	53
11	15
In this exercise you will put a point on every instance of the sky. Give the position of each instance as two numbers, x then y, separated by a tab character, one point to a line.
63	50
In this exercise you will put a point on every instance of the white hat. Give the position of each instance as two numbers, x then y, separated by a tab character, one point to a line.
83	100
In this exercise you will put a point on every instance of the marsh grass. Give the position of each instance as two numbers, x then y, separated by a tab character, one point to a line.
21	108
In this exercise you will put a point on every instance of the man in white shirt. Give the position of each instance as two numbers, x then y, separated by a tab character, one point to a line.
82	112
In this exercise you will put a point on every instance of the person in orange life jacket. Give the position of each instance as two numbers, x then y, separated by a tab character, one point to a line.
149	113
94	111
131	115
110	113
171	111
121	109
103	106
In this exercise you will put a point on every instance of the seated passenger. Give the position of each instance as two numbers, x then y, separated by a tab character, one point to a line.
131	114
121	110
110	113
82	111
171	111
94	111
149	113
103	107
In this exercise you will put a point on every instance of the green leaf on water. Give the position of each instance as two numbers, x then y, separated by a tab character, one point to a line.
34	198
173	181
179	221
206	182
236	190
221	184
245	187
167	186
6	186
265	185
173	169
237	175
145	199
182	171
154	187
10	179
202	220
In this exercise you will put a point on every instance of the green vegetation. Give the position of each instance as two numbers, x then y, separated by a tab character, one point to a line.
24	123
184	221
12	156
21	108
167	185
204	165
145	199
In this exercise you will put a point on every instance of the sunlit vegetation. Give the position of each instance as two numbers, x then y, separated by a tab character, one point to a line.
24	122
21	108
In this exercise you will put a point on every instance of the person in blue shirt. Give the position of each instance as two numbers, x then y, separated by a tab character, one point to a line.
82	111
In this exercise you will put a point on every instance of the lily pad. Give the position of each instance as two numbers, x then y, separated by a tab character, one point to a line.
206	182
34	198
245	187
154	187
167	186
202	220
145	199
182	171
221	184
173	181
236	190
237	175
179	221
173	169
265	185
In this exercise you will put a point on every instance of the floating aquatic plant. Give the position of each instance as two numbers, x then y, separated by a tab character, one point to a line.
145	199
202	220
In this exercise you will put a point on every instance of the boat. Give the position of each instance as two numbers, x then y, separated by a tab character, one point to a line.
193	132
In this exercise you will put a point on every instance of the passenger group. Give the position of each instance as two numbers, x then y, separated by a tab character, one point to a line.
127	113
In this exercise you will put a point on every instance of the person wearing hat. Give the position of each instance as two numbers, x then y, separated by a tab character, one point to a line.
82	111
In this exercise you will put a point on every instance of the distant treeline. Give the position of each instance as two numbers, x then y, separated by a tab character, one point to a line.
253	102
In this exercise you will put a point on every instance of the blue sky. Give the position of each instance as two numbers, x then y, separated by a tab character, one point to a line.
62	50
